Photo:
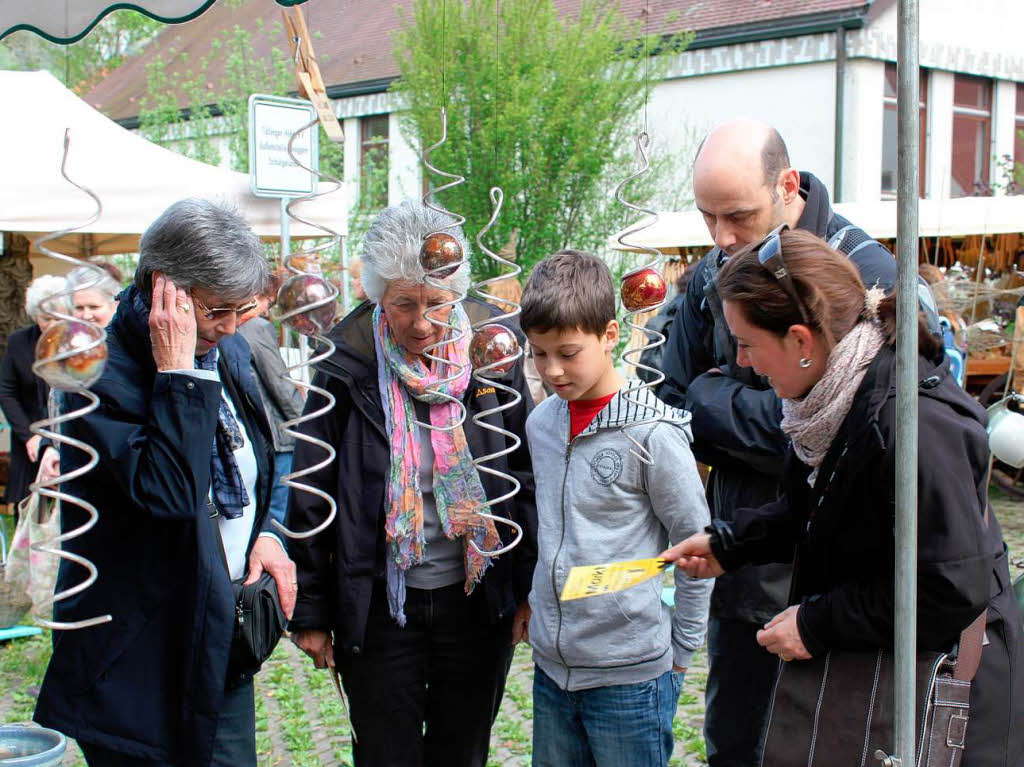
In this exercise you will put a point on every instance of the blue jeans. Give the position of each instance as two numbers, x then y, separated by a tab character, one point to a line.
627	724
741	679
278	491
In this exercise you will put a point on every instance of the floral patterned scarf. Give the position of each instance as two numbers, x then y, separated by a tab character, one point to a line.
457	488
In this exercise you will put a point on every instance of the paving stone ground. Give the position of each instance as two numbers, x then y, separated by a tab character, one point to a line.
302	723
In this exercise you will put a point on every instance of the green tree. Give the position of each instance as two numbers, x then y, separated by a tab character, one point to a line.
81	65
542	105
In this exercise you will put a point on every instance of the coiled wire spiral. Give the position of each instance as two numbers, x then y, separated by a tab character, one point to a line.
490	336
77	354
654	338
433	277
307	303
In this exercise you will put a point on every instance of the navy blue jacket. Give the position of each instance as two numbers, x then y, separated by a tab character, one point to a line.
737	416
149	683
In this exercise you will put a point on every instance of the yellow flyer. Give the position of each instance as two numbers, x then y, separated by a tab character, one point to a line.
592	580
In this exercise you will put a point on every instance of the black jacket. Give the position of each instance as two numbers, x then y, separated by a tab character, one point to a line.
844	548
281	398
337	568
150	683
736	415
23	401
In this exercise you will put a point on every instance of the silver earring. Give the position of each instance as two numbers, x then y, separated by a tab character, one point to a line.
805	363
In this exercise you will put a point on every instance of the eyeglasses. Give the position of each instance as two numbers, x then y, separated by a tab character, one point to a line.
769	255
221	312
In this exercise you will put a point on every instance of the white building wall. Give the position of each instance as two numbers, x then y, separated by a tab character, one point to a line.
1004	107
798	100
862	130
351	159
405	172
940	133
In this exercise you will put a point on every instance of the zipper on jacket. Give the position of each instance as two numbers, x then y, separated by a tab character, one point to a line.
554	570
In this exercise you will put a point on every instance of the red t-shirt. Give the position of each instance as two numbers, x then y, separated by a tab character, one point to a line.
583	411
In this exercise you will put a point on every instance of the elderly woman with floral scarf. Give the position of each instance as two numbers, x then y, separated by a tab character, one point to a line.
419	625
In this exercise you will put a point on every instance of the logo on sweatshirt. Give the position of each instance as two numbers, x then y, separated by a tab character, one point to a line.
606	466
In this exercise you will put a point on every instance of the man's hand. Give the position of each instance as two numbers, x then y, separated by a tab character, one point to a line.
317	645
267	554
693	556
781	636
32	447
49	467
172	326
521	624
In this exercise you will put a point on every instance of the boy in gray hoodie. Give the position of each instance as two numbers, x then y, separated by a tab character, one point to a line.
608	668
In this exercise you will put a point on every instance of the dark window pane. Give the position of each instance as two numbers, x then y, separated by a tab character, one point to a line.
970	154
1020	99
374	128
889	150
971	92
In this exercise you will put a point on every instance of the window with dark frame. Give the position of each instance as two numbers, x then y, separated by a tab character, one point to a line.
890	142
373	159
972	136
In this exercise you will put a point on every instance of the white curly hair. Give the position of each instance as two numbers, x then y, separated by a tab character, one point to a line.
391	248
44	287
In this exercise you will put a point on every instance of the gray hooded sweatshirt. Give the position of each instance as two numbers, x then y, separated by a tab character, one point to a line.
596	503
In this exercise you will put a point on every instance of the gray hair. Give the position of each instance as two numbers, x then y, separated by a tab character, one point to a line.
93	278
391	248
199	243
42	288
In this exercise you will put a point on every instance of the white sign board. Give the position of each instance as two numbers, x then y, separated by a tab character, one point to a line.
272	121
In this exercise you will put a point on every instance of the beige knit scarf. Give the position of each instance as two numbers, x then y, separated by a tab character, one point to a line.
812	422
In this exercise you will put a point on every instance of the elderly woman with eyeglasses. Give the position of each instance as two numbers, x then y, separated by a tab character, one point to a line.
423	625
183	489
23	394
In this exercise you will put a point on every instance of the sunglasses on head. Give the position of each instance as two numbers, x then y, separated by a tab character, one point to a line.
769	255
221	312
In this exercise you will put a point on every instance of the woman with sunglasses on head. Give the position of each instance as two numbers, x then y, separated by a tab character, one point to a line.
183	490
802	317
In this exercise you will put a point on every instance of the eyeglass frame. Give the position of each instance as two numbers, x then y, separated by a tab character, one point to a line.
211	314
769	255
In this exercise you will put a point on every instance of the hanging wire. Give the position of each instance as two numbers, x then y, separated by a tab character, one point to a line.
441	256
307	303
70	357
643	290
494	351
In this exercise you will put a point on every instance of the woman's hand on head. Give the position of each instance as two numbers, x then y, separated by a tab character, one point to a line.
172	326
693	556
781	636
316	643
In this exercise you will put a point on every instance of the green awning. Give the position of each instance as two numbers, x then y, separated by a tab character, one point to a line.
68	21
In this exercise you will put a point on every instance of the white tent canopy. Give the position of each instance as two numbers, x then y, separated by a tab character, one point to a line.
135	179
938	218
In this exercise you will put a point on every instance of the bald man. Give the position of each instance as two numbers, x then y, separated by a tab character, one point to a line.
744	187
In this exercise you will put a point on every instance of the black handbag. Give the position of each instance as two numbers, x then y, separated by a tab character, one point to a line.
837	710
259	618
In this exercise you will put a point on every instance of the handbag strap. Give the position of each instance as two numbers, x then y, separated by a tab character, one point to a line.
216	534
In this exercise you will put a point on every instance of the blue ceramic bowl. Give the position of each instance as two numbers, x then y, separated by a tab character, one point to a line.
22	746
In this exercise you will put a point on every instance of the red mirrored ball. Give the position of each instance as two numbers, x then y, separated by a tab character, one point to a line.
87	351
643	290
493	343
305	290
440	251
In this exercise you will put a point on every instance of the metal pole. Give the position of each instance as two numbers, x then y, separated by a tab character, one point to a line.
837	181
907	192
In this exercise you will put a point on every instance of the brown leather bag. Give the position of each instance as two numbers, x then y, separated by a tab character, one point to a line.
837	710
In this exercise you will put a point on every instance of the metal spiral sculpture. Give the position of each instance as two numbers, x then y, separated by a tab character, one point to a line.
493	352
307	303
643	290
70	357
441	256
